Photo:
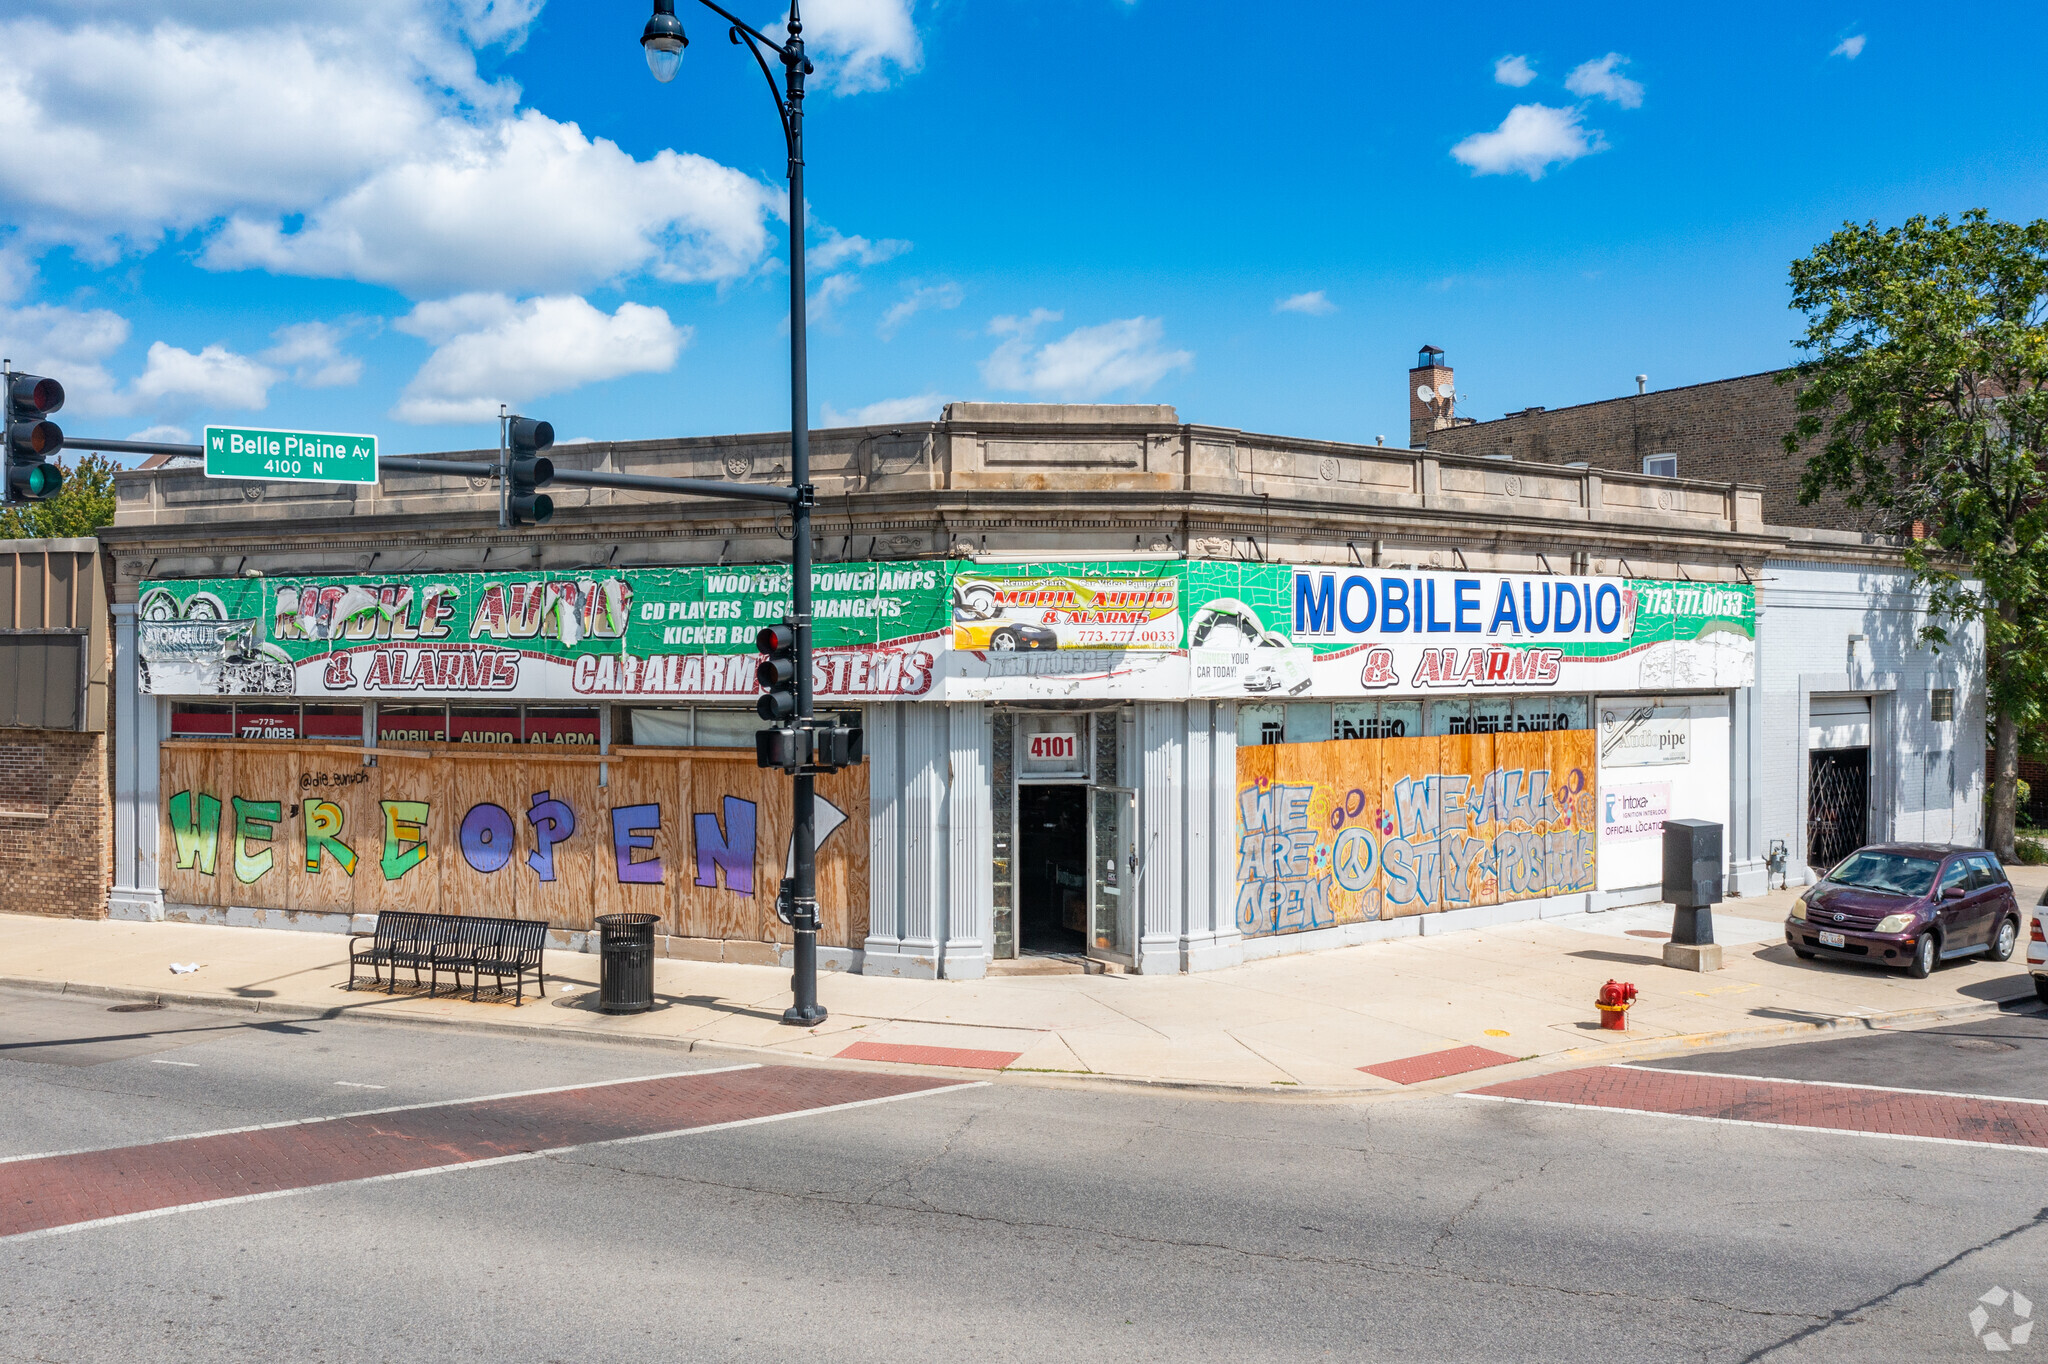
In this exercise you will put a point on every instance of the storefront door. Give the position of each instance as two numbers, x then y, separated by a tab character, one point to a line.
1113	872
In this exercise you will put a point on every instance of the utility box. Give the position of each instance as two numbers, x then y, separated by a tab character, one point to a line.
1692	883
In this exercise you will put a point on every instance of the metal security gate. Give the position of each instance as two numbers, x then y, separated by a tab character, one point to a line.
1837	804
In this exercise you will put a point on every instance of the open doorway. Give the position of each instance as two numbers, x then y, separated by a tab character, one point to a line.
1052	868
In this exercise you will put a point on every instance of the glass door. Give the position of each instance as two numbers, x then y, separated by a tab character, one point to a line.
1112	872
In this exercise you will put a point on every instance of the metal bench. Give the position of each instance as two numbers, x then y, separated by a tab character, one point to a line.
455	943
492	947
402	938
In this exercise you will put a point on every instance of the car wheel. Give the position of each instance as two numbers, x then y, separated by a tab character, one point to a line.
2041	988
1926	953
1003	642
2008	938
1802	954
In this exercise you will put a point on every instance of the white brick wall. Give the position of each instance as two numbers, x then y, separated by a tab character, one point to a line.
1927	778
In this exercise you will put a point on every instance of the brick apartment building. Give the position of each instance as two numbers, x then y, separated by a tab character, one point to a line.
56	808
1728	430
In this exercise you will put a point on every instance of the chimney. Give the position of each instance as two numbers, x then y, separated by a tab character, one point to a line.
1432	398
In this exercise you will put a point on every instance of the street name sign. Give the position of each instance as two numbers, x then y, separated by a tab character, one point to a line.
307	456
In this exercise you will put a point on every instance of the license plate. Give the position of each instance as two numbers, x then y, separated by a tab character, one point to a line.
1833	940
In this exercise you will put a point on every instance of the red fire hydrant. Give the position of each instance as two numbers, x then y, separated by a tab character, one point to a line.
1613	1001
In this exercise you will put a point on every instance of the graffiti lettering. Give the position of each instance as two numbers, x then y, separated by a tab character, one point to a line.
730	850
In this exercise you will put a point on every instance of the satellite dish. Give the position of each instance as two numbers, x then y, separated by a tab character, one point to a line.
1423	392
1443	391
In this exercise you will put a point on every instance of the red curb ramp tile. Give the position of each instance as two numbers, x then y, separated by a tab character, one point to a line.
44	1193
1783	1103
1435	1065
965	1058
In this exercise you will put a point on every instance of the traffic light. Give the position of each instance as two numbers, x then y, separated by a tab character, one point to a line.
529	470
842	743
777	673
31	439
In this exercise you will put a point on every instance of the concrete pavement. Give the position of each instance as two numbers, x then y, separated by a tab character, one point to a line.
1304	1023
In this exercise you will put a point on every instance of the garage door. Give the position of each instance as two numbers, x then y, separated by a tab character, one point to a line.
1838	722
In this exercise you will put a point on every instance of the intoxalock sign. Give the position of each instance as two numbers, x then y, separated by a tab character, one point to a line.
302	456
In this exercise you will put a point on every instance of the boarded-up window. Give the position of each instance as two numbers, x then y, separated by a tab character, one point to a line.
40	678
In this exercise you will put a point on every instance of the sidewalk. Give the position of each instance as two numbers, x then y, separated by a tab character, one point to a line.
1293	1023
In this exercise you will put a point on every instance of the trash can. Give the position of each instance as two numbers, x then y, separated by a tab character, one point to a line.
626	963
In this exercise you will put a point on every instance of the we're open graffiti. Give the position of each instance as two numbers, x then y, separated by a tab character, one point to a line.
699	837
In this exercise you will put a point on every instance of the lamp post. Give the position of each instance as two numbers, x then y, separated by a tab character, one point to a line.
663	41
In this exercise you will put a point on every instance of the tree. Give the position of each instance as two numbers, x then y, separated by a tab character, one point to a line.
1927	376
81	506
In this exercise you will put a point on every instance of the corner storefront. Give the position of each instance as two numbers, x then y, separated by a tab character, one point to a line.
1158	763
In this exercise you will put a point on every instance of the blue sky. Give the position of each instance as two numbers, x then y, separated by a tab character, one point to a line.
390	215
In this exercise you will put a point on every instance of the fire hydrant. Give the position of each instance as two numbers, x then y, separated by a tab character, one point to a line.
1613	1001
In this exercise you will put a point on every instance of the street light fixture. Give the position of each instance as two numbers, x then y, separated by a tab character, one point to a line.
663	41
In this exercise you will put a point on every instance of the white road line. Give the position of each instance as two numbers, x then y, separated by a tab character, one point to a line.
155	1062
356	1084
1834	1084
494	1160
1751	1122
374	1112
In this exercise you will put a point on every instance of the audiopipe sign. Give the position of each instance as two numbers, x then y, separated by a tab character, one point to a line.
628	633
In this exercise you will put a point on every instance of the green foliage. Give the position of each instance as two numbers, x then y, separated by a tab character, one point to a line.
2032	852
1926	384
81	506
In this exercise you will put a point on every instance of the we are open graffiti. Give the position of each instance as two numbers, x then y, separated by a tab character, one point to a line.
1352	830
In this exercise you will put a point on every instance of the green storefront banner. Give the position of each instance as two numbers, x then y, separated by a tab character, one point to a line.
943	630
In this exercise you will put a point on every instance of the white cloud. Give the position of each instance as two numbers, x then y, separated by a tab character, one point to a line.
490	349
889	412
529	201
349	138
1530	140
71	345
945	295
1599	78
856	43
1086	363
216	377
1851	47
168	434
1514	71
835	290
835	251
312	351
119	132
1315	304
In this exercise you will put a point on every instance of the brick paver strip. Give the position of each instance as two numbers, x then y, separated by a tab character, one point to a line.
1938	1117
42	1193
964	1057
1434	1065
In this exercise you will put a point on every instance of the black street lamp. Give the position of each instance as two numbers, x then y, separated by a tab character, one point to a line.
663	42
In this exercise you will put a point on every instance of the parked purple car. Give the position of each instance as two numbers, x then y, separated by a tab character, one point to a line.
1908	904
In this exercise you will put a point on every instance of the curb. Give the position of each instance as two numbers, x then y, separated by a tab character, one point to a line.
1646	1049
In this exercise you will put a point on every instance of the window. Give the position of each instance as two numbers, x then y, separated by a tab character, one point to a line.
332	724
483	724
1536	713
1957	874
1944	704
699	727
412	724
1260	725
573	726
1663	466
202	722
1985	873
1308	722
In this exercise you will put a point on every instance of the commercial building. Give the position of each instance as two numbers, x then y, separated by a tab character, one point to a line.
56	834
1148	693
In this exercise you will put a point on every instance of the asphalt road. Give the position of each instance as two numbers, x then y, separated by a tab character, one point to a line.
1016	1220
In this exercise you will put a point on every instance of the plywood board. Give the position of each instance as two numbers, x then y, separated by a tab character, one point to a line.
843	862
1410	864
559	804
1465	847
192	858
256	826
639	849
411	831
479	845
736	831
332	831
